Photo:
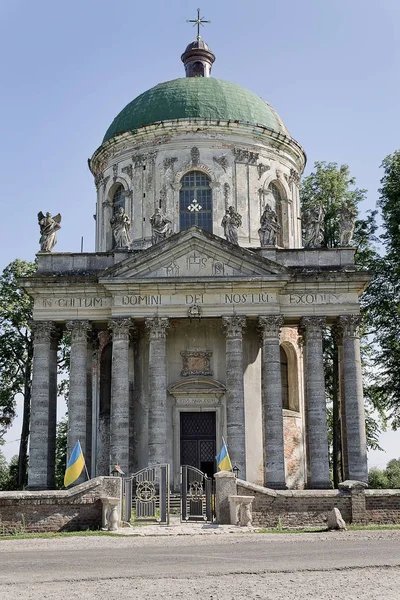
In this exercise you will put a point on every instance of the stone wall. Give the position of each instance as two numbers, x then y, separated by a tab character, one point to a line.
305	508
78	508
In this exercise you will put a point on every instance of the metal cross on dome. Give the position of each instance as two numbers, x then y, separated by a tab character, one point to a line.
199	21
194	206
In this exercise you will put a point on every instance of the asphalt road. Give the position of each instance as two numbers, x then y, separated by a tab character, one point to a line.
354	564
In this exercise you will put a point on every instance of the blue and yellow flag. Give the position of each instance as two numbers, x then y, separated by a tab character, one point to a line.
75	465
223	460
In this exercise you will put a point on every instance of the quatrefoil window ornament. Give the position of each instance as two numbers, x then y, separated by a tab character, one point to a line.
194	206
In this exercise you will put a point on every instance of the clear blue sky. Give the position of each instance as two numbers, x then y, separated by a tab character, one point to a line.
330	69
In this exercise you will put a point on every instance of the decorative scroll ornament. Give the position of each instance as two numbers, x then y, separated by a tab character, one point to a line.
120	328
245	156
194	312
294	177
195	490
222	161
227	191
234	326
115	171
79	330
312	327
169	162
128	170
157	327
270	326
196	362
195	156
261	168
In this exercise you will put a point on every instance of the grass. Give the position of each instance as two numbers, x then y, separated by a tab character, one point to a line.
58	534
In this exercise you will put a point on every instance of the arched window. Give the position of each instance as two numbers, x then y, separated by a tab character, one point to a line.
198	69
195	201
285	379
118	199
277	199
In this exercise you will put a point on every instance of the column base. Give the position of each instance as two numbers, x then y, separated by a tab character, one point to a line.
275	486
320	485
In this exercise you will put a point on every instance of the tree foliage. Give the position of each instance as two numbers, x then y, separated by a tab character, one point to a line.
61	452
16	353
388	478
382	299
330	188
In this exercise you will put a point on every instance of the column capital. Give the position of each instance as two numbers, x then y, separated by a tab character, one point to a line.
157	327
348	325
312	327
234	326
270	326
43	331
79	329
120	328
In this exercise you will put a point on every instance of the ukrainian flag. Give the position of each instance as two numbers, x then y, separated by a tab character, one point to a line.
223	460
75	465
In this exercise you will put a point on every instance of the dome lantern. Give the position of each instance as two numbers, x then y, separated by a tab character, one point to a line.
198	57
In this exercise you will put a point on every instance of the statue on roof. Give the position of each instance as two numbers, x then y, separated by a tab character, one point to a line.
120	225
160	226
231	222
48	227
269	227
347	216
313	226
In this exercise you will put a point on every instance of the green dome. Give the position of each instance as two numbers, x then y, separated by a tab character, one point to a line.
195	98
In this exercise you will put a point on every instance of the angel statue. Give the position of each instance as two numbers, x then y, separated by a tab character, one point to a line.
48	227
120	225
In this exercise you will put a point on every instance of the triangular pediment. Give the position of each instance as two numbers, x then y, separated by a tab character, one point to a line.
194	253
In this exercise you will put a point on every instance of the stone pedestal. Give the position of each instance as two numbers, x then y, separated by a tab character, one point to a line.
119	411
43	407
77	401
356	442
235	413
157	330
225	486
240	510
311	329
274	457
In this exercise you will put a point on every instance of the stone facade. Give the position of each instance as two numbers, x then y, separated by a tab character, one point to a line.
181	338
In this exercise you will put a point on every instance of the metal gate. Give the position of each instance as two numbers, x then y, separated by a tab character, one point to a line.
196	495
146	495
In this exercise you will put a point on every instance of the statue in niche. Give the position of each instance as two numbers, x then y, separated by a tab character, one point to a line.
347	216
161	227
48	227
120	225
269	227
231	221
314	227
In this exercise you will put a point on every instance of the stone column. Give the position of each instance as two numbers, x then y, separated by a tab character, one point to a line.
119	412
43	407
157	330
337	332
77	399
356	442
235	413
317	434
274	456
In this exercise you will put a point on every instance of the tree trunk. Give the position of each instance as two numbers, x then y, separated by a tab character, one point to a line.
336	424
26	417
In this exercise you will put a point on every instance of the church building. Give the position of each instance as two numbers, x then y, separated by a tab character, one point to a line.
200	316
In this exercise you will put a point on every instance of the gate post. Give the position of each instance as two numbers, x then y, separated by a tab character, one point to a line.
225	486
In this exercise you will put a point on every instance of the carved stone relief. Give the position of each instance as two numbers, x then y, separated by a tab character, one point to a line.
128	170
169	162
195	156
261	168
196	362
222	161
245	156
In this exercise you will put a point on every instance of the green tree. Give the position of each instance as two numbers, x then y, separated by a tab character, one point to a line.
8	473
382	299
330	189
61	452
16	353
388	478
